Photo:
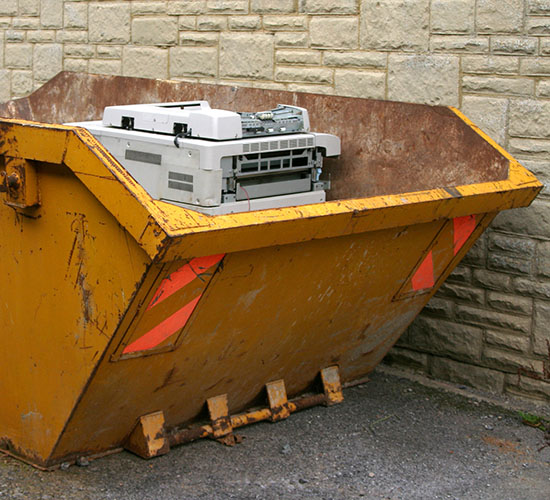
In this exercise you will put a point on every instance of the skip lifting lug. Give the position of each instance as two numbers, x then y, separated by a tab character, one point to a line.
20	183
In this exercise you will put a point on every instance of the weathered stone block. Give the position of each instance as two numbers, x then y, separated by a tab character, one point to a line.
534	66
460	274
477	255
70	64
533	220
498	85
310	75
532	288
333	32
26	7
424	79
445	338
227	6
308	57
541	171
145	62
355	59
109	22
245	56
8	8
496	16
510	303
514	45
51	13
15	35
187	23
505	340
40	36
540	7
461	292
523	247
508	264
182	7
453	16
212	23
395	24
76	15
408	358
105	66
492	280
109	51
316	88
355	83
328	6
538	26
155	30
244	23
543	259
205	39
500	65
467	44
491	318
18	55
544	46
148	7
47	61
467	374
79	50
25	23
440	307
529	118
541	329
71	36
262	84
532	147
196	61
21	82
291	40
526	386
511	361
271	7
285	23
5	85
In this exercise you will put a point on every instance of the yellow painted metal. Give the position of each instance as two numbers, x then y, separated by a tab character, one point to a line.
298	289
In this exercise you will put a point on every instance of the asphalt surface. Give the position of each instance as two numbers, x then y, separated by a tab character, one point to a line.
392	438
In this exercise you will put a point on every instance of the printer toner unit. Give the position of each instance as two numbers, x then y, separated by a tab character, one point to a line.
218	161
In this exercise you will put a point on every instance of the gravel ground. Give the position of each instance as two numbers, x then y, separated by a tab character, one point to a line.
392	438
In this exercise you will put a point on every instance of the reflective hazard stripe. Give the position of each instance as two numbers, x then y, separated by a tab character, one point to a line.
197	272
424	276
183	276
163	330
463	227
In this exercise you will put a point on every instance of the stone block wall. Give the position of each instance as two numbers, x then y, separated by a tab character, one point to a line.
489	324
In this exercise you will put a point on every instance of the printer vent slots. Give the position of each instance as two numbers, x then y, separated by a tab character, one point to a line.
277	145
183	182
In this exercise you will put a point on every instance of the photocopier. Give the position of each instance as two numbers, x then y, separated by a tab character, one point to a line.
217	161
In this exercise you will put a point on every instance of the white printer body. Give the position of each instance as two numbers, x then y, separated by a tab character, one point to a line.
216	161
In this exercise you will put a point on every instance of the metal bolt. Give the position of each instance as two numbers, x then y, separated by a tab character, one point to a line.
14	181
